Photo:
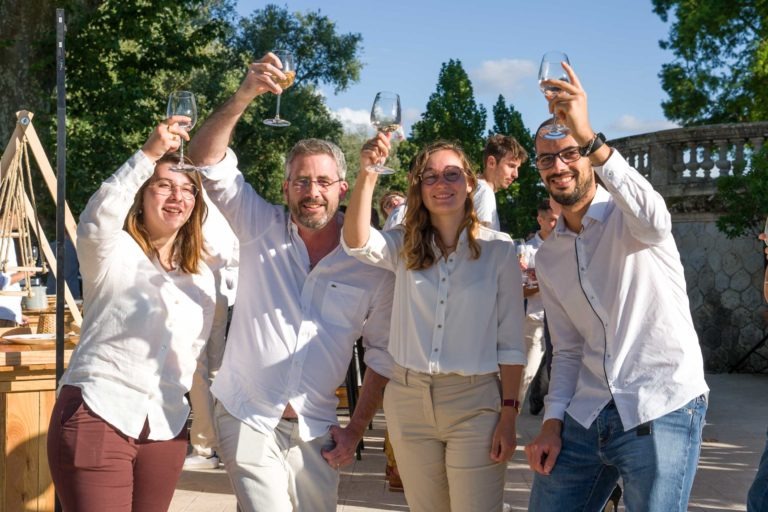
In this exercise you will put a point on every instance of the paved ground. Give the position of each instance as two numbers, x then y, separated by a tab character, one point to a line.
733	441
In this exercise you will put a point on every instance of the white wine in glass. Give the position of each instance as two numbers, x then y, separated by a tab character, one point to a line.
552	69
385	116
182	103
289	70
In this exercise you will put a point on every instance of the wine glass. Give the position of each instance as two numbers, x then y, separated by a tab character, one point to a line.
385	116
182	103
289	69
552	69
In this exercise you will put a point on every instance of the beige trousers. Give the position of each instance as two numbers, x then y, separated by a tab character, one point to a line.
534	349
441	427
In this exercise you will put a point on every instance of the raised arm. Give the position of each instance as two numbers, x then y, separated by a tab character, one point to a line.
357	219
212	138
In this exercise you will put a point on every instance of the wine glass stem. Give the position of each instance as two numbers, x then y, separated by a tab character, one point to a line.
277	110
181	153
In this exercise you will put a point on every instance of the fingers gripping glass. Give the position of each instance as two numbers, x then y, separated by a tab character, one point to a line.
165	187
568	155
182	103
289	70
450	174
552	69
385	116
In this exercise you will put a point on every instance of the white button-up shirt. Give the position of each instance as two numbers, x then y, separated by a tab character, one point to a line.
485	205
460	315
617	307
143	327
293	327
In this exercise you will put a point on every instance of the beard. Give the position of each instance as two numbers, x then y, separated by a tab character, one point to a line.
310	220
580	190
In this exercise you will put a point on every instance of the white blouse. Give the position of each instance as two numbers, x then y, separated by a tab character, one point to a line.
143	328
460	315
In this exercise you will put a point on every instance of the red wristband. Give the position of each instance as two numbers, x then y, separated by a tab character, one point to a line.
511	402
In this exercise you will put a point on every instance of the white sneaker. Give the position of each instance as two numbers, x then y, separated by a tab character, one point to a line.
194	461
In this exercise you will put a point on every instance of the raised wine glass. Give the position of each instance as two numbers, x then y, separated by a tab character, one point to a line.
385	116
552	69
289	69
182	103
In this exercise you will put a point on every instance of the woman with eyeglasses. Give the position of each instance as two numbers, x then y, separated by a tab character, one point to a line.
457	325
117	437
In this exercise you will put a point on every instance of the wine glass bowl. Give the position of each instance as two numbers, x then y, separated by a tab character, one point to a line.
386	117
289	70
551	68
182	103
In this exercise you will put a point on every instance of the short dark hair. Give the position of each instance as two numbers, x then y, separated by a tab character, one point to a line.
544	206
498	146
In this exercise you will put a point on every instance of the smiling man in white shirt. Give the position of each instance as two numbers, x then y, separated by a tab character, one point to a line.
627	395
301	304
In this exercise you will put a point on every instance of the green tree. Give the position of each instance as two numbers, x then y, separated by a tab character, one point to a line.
517	205
721	60
451	114
123	58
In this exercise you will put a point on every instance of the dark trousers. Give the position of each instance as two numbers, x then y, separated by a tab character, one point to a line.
96	468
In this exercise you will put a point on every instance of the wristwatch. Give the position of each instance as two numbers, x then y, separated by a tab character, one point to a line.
594	144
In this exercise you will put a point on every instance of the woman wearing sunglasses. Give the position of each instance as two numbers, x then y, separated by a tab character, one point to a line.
117	440
457	324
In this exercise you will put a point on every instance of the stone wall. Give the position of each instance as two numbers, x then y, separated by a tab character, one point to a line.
725	290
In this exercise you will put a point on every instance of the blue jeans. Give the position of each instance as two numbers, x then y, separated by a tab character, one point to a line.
757	499
657	465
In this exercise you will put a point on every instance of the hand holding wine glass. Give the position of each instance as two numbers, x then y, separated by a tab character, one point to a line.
182	103
552	69
289	70
386	117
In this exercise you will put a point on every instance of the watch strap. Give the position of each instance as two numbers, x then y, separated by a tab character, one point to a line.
511	402
594	144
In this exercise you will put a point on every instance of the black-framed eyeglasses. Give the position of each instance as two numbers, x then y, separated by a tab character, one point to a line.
165	187
568	155
306	183
450	174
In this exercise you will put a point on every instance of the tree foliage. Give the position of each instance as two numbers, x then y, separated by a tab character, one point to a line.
517	205
451	114
744	199
721	60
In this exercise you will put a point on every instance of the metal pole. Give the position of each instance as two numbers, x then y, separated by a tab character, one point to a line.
61	182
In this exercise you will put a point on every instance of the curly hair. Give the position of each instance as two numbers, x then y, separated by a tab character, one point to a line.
419	232
189	245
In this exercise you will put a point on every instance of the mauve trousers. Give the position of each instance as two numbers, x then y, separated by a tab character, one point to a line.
96	468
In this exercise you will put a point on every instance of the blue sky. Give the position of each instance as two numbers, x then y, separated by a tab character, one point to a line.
612	45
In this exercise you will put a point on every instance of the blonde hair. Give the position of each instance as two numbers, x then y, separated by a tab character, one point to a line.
188	246
419	232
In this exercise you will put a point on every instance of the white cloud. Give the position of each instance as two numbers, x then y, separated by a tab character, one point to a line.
631	125
354	120
504	76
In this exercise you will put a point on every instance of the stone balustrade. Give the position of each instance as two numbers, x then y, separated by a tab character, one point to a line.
686	161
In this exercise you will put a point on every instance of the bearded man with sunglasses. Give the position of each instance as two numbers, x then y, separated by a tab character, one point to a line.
627	395
301	305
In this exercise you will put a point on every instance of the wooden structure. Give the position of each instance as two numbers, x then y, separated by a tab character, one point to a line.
28	372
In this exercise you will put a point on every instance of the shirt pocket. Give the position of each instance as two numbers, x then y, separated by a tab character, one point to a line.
341	304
